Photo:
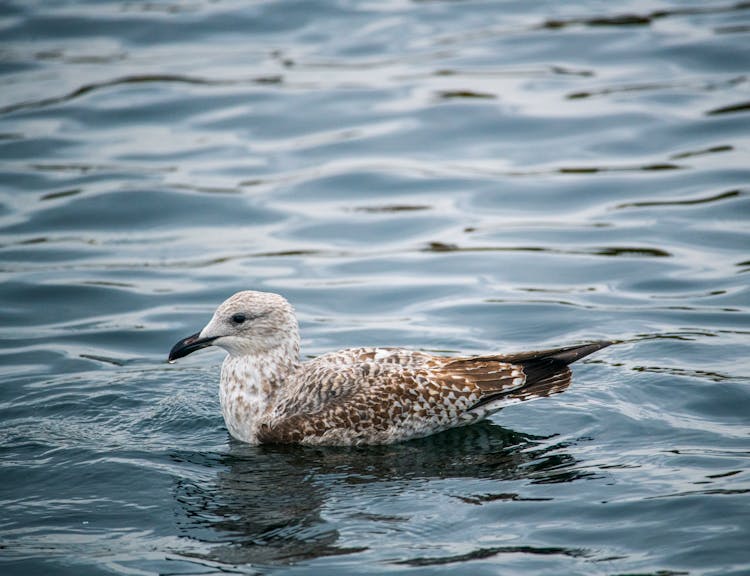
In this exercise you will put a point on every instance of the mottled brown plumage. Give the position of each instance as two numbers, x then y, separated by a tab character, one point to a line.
358	395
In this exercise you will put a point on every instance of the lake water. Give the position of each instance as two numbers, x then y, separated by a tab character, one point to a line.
463	177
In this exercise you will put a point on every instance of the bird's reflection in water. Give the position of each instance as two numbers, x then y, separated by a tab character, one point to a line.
264	506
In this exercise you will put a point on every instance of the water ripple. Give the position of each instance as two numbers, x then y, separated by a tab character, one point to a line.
445	176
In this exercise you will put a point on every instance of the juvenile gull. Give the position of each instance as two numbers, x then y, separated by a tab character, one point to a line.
358	395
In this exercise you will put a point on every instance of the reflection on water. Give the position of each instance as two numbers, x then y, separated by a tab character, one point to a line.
266	506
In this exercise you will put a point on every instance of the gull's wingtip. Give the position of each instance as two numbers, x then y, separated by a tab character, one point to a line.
571	354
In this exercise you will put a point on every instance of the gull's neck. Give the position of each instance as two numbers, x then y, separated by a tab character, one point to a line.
250	386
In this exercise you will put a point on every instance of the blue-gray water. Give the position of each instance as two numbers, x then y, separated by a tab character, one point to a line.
464	177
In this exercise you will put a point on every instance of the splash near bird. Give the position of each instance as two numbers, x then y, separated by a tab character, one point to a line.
358	395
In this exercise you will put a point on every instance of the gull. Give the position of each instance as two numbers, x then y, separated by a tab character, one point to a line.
358	395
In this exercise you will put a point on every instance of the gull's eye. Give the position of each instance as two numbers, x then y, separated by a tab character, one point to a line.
239	318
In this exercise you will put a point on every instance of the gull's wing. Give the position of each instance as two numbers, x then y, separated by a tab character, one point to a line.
384	395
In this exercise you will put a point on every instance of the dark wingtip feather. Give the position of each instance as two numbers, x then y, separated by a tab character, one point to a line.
566	355
546	371
572	353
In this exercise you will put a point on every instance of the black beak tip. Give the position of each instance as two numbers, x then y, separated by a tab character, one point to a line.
187	346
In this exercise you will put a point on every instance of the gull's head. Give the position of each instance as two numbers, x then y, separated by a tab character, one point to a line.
248	323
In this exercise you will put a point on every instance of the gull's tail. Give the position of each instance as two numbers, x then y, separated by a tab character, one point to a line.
546	373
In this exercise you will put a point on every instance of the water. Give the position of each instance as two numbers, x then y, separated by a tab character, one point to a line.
465	177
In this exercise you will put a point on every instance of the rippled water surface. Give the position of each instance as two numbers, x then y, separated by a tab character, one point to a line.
463	177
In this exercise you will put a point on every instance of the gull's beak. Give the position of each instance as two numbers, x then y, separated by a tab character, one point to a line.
188	345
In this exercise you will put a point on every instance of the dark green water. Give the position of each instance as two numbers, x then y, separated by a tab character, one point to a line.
466	177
